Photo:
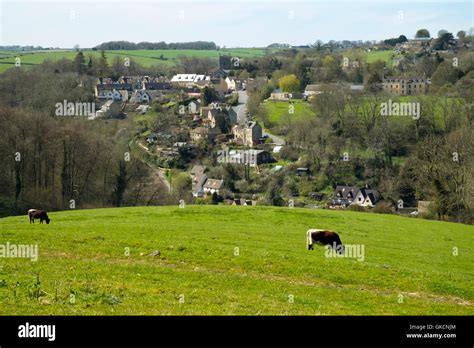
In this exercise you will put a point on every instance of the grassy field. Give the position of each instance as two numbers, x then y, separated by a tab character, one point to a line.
386	56
277	110
152	57
234	260
143	57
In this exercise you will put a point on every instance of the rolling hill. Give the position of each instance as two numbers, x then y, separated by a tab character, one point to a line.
143	57
222	260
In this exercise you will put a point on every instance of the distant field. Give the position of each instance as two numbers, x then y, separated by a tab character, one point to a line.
153	57
386	56
278	110
234	260
144	57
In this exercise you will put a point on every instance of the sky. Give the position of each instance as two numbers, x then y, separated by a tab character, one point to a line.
243	23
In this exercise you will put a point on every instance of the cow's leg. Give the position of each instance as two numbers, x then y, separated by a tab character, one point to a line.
339	246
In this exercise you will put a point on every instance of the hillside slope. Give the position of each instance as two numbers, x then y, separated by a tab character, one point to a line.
144	57
234	260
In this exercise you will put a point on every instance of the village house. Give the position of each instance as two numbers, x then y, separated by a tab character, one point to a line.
167	152
302	171
231	115
151	139
198	134
111	94
212	186
131	87
415	45
234	84
104	88
203	133
156	84
259	157
211	117
367	198
135	81
285	96
347	195
193	107
247	134
110	109
189	80
405	86
343	196
198	179
201	184
204	110
230	83
312	90
209	114
249	157
140	97
143	109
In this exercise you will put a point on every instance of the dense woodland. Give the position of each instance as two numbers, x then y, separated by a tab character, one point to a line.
61	162
126	45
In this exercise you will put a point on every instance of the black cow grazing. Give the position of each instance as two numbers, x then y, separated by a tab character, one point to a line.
38	214
324	237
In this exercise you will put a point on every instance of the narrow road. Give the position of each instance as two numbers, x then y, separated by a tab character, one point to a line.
240	108
276	139
158	170
161	174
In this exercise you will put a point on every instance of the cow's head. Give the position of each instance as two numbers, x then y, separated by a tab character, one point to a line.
48	220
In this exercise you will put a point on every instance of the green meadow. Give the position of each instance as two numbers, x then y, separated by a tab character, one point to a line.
278	110
385	56
226	260
143	57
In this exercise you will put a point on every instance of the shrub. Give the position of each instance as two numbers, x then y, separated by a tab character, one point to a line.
384	207
355	207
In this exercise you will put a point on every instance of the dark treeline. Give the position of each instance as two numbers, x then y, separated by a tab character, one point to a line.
126	45
394	41
26	48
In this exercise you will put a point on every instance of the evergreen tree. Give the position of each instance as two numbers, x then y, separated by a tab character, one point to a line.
103	69
80	63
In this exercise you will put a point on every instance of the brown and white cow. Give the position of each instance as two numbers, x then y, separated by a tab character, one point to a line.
38	214
323	237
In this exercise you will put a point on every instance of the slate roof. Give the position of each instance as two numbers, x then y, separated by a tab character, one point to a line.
213	184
